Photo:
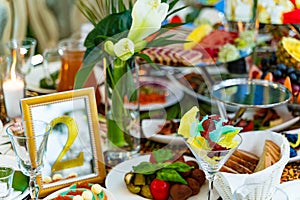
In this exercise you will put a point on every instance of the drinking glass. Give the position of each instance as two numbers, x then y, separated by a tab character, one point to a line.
212	160
29	141
21	53
6	178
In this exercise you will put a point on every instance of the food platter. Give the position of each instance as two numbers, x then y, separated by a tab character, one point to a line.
172	94
150	127
115	180
55	194
36	74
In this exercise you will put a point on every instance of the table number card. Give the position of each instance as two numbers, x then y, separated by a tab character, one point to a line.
73	151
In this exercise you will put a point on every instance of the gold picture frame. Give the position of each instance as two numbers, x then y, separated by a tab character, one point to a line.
74	152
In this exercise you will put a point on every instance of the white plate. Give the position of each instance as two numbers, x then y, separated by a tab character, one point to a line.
296	131
55	194
173	93
292	189
36	74
150	127
115	181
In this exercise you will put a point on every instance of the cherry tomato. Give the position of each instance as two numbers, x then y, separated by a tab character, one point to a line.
160	189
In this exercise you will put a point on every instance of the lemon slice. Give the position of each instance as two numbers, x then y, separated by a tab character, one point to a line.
196	35
292	46
186	122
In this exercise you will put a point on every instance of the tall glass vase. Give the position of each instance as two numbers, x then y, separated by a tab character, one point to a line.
122	111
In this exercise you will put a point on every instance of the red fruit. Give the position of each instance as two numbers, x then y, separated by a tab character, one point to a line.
249	126
176	19
160	189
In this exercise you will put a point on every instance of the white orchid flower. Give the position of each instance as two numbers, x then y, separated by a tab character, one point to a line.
124	49
147	16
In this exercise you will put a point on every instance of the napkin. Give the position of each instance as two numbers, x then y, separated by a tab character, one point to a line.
226	183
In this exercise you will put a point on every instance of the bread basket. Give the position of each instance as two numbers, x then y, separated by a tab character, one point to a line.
226	183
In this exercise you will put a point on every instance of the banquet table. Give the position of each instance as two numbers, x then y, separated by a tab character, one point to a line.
171	112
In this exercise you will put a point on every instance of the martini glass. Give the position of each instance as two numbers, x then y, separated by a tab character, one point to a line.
212	160
29	141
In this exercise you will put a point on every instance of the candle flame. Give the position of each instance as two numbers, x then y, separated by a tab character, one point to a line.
13	75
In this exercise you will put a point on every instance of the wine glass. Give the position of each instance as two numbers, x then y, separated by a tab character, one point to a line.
29	141
212	160
22	51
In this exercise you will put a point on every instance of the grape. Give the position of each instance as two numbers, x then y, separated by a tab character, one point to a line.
295	88
264	64
277	74
293	77
282	68
290	70
273	59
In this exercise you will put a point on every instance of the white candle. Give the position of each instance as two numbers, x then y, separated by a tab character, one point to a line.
13	91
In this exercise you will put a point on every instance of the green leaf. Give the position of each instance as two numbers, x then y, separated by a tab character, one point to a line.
170	175
164	41
176	10
162	155
87	67
172	4
111	25
179	166
147	59
147	168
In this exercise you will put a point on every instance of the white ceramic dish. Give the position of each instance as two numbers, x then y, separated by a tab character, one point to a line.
115	181
173	94
55	194
150	127
292	189
36	74
296	131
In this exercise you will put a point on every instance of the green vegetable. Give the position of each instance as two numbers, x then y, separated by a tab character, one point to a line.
139	179
164	171
162	155
146	192
170	175
148	168
132	188
44	83
20	181
179	166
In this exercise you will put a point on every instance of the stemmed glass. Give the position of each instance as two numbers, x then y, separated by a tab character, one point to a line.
23	50
212	160
29	141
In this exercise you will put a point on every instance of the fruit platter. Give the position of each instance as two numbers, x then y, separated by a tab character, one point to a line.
206	45
282	66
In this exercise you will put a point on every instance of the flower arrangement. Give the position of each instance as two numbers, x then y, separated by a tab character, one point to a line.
116	41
